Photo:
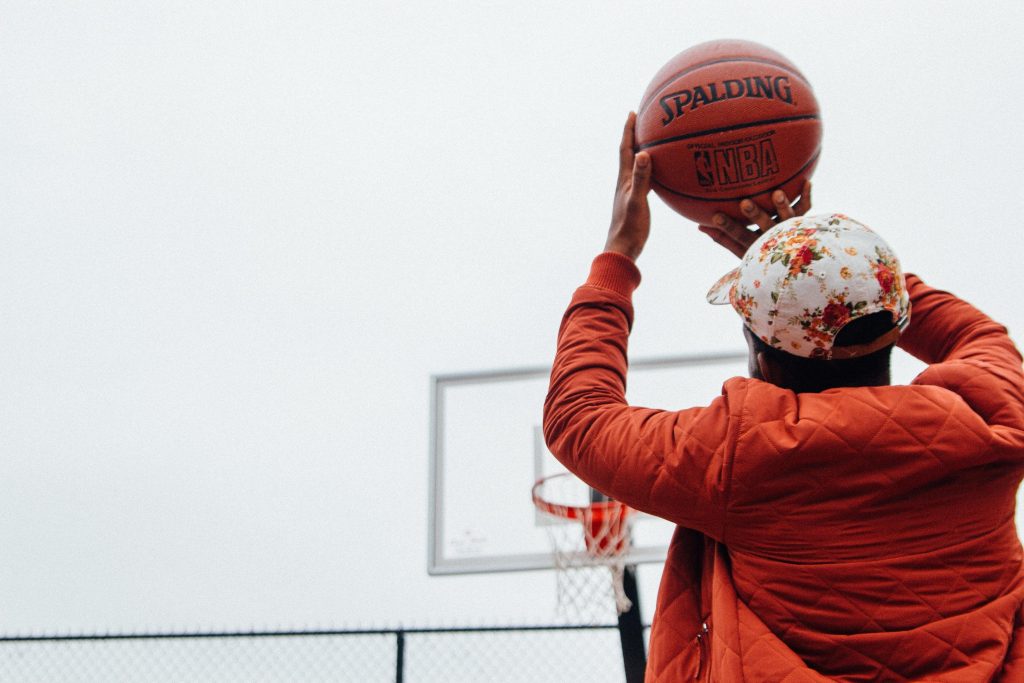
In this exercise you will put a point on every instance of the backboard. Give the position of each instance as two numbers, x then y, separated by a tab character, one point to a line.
487	451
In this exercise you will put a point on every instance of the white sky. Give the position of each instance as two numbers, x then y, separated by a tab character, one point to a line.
236	242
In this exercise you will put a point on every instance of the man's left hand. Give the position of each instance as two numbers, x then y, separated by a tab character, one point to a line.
737	238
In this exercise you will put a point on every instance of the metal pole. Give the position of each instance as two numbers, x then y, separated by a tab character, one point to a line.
631	631
631	626
399	656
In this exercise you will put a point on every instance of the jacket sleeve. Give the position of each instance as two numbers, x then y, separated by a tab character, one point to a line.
945	328
967	352
673	464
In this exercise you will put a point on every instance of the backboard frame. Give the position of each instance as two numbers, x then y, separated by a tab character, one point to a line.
437	563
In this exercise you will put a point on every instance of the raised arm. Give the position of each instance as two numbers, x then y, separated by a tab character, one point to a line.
967	352
669	463
944	328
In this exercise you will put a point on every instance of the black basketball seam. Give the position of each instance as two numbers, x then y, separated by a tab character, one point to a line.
726	129
646	103
810	161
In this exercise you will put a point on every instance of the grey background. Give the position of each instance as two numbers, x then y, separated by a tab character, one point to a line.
236	239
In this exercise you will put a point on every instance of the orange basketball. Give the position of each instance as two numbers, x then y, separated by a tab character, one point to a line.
724	121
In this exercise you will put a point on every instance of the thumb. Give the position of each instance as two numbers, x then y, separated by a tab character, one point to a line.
641	174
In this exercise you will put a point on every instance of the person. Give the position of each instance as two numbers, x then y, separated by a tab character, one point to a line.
830	526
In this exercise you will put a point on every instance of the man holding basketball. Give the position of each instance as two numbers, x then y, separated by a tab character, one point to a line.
830	526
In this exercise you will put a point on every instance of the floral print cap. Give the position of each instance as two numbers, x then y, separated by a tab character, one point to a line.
802	281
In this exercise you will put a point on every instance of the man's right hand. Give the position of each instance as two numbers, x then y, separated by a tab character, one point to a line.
737	237
631	214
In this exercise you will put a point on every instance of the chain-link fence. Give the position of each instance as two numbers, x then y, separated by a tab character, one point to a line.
529	653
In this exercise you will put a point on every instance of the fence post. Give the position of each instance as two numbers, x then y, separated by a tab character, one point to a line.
399	656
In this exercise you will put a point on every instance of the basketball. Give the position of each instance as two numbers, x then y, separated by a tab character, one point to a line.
724	121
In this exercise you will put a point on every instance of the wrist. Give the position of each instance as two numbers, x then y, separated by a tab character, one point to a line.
627	247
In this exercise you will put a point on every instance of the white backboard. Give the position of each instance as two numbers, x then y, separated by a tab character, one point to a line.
487	451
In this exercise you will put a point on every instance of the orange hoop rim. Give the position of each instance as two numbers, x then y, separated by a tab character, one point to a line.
594	512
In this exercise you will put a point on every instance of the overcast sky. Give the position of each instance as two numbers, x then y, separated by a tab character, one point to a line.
237	239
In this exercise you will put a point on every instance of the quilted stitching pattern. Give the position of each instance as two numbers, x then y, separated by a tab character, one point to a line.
859	535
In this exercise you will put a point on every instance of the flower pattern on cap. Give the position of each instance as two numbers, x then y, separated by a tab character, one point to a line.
805	279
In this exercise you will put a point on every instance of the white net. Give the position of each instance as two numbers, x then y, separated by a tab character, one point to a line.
589	541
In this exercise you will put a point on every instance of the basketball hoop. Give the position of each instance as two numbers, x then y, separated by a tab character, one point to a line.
585	536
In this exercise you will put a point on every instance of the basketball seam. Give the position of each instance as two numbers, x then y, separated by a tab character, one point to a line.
646	103
726	129
810	161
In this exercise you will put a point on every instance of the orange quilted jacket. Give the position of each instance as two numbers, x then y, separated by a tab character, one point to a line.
862	534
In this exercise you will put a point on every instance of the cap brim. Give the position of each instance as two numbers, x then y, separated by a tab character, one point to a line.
719	292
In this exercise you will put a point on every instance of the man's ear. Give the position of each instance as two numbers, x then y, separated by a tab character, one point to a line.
770	370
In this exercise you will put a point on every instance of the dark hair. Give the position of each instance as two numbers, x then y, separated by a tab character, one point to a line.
815	374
